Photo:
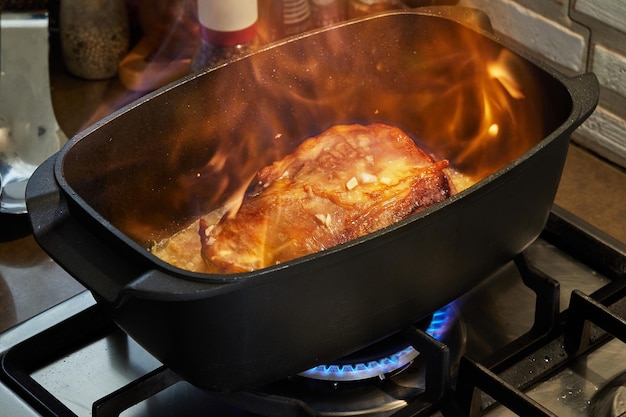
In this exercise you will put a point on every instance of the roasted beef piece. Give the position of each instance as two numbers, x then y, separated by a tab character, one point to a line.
344	183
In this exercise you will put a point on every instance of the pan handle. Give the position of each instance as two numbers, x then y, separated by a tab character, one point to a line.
93	260
69	242
585	92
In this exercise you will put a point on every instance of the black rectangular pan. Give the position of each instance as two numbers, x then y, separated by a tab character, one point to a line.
144	173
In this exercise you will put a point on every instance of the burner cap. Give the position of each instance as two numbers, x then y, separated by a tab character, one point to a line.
610	401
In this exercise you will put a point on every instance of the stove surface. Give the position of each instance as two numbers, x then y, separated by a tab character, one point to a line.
493	315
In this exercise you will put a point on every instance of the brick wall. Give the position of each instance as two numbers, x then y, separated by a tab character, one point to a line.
575	36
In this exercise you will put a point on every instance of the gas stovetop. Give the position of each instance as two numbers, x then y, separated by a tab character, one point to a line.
543	335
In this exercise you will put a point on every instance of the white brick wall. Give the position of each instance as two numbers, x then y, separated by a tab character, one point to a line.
610	67
604	132
551	39
611	12
576	36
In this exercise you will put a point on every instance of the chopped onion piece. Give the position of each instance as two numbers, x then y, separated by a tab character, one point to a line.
209	229
352	183
324	219
365	178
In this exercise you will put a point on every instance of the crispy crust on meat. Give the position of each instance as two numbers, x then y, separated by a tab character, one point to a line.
346	182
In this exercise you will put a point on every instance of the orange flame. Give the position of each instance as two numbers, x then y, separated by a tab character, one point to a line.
459	94
163	54
477	107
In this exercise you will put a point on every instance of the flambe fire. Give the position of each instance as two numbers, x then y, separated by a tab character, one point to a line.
458	93
475	106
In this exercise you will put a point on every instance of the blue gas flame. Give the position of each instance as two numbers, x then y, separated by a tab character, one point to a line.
354	372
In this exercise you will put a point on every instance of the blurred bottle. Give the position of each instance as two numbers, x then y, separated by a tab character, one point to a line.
359	8
421	3
227	29
282	18
327	12
296	17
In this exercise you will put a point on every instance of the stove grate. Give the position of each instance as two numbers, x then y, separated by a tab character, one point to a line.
588	322
578	337
502	379
18	363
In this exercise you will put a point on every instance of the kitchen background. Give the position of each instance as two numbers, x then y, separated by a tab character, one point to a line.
576	36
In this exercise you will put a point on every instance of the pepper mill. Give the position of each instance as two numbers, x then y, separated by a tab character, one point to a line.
94	36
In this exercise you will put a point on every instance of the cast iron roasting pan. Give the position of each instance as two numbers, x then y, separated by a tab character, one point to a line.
143	173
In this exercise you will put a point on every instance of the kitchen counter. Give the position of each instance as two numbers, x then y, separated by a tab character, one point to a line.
30	282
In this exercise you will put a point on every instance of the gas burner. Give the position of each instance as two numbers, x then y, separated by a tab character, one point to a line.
328	391
383	358
363	370
610	401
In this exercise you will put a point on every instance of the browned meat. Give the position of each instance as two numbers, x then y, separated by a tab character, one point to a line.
344	183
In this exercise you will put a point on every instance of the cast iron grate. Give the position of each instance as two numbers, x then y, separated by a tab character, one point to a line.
588	322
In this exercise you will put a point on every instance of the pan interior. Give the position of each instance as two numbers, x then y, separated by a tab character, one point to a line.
158	164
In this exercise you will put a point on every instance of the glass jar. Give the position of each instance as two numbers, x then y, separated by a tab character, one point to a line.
94	36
